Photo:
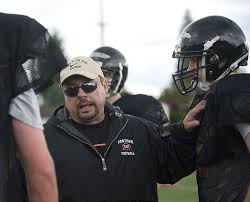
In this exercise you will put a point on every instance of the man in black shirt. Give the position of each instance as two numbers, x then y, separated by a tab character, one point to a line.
101	133
102	154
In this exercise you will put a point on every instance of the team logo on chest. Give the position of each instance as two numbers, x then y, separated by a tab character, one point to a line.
126	147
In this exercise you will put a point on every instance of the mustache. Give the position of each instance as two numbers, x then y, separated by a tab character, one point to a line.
83	101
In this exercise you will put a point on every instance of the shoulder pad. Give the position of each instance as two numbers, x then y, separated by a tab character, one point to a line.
230	102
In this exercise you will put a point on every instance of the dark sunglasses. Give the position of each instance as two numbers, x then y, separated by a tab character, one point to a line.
86	87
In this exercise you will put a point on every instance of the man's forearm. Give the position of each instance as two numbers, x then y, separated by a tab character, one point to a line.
247	141
37	163
42	185
247	199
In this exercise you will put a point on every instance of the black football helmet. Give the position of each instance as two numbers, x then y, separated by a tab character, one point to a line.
113	63
218	46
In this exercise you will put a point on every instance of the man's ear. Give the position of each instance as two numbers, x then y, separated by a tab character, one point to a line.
104	83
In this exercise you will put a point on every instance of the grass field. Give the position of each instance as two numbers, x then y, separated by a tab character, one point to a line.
184	191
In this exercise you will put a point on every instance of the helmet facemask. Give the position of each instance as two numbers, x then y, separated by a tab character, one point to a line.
195	69
114	78
108	75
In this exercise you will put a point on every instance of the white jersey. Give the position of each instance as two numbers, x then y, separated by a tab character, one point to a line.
25	108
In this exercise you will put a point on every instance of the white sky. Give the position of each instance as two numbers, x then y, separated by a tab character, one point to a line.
145	31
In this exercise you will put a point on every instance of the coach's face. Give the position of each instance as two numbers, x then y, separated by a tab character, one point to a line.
85	99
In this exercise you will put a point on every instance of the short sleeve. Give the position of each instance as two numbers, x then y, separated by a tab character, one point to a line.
25	108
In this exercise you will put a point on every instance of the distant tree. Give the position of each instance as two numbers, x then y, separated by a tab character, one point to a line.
178	104
52	96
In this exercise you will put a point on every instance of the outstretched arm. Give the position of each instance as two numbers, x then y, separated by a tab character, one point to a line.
176	153
190	122
37	162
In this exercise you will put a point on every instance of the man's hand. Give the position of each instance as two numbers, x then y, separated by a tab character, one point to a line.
192	118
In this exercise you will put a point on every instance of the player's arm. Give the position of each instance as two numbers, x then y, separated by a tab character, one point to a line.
37	162
32	148
247	199
247	141
244	130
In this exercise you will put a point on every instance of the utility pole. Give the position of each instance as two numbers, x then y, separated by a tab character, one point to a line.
101	23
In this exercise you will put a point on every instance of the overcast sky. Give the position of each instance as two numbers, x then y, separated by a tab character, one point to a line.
145	31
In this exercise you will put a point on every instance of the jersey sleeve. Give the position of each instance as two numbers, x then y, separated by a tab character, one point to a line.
25	108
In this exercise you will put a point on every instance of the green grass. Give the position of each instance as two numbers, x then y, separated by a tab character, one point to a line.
184	191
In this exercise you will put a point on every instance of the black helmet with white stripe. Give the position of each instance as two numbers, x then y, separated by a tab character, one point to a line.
113	65
212	41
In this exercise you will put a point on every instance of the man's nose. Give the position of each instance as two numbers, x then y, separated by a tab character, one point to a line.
192	65
81	92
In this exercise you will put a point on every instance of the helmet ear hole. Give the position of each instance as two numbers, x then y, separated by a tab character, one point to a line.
222	63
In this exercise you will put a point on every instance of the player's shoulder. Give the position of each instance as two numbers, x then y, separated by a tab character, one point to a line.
233	84
141	97
231	100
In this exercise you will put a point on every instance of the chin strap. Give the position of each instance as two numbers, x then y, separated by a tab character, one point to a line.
230	69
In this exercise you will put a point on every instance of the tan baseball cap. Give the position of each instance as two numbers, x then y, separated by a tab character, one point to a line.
84	66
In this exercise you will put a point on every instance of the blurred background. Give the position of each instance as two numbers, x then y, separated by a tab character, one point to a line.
145	31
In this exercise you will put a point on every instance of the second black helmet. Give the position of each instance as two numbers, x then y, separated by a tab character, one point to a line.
114	64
